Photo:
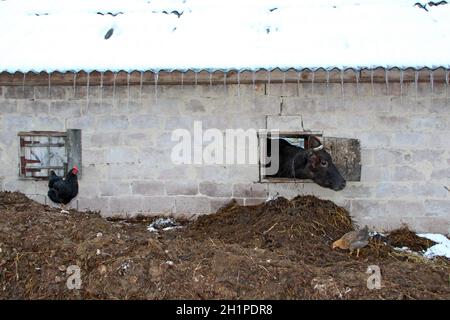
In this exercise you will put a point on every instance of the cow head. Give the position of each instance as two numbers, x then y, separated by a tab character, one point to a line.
320	167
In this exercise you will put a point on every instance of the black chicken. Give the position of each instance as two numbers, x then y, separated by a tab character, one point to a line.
61	190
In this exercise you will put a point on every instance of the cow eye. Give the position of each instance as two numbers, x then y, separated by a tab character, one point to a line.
323	163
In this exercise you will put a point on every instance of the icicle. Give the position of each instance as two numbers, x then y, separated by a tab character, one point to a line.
327	80
239	83
128	89
313	76
87	90
416	81
23	84
386	76
49	86
432	83
299	76
114	86
210	81
254	83
446	83
101	89
74	84
182	81
225	82
283	86
342	83
141	82
268	81
357	82
156	86
372	72
196	79
402	73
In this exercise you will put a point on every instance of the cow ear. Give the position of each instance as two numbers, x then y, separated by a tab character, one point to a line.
313	142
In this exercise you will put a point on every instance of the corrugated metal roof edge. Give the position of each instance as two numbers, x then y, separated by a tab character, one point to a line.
277	75
212	70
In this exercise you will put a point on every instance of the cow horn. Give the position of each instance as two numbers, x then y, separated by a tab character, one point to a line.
318	148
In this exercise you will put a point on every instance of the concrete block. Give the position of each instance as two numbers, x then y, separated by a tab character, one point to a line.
121	155
373	139
87	189
432	224
403	208
441	174
105	139
410	105
18	92
218	203
107	189
356	190
375	173
85	123
148	188
66	108
430	189
406	173
214	189
250	190
370	208
370	105
182	187
17	123
97	107
409	140
33	107
8	106
55	92
440	208
145	122
282	89
393	190
112	122
94	204
27	187
386	157
192	205
176	173
300	106
287	190
284	123
126	205
158	205
139	138
94	156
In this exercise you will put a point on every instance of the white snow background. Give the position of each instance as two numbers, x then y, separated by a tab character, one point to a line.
63	35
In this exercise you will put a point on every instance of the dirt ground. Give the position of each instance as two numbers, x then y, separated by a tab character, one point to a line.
277	250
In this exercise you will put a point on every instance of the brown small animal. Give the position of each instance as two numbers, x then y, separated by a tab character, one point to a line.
353	240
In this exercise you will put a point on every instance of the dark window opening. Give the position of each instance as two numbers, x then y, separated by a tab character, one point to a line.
296	138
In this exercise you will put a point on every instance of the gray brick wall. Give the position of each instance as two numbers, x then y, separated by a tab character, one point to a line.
127	143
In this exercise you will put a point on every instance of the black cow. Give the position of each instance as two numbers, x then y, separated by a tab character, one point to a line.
312	163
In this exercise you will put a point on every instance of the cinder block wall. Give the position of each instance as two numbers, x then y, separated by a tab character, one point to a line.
126	137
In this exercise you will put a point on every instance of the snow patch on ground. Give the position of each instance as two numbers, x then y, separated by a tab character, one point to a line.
440	249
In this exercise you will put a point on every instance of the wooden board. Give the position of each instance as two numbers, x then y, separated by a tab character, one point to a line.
346	154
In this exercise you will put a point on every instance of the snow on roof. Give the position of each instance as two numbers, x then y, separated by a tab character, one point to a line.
55	35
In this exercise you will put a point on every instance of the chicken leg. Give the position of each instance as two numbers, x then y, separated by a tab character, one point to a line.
63	209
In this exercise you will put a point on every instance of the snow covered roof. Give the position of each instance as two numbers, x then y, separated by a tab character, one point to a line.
55	35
